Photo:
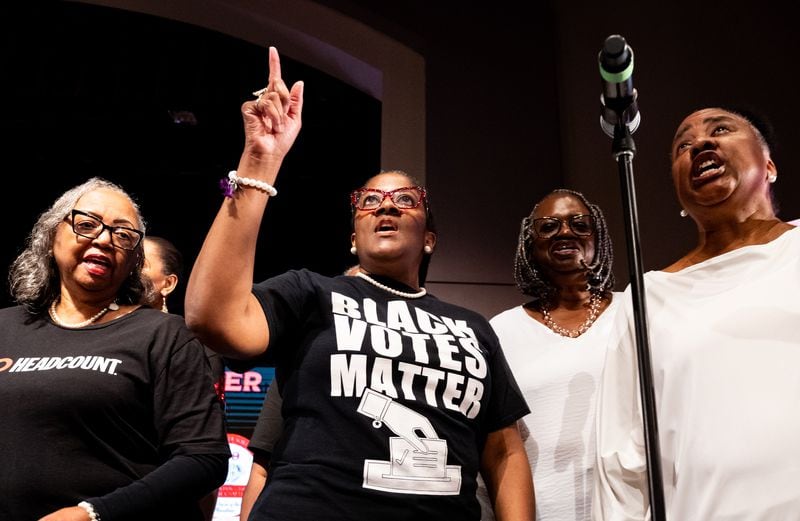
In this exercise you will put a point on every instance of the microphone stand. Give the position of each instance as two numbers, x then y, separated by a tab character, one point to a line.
624	149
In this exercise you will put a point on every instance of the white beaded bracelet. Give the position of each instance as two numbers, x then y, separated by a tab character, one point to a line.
89	510
234	181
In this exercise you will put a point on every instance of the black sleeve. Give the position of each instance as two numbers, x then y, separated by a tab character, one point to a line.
269	426
200	473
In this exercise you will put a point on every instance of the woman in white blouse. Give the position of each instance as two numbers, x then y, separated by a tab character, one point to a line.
723	327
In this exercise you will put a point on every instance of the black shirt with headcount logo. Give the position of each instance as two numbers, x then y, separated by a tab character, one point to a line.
89	411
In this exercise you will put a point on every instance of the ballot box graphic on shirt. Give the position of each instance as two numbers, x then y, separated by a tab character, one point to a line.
416	465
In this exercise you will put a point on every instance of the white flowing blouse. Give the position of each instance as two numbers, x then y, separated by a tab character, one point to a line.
559	377
725	350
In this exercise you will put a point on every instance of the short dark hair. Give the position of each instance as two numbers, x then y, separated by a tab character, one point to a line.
759	121
171	257
430	224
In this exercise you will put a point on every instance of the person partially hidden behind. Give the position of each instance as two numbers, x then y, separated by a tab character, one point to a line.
556	344
267	432
108	407
392	399
724	343
163	265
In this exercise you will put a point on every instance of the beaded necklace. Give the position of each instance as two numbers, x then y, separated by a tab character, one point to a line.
91	320
404	294
594	311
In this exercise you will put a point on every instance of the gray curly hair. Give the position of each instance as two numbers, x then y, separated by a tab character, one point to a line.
34	278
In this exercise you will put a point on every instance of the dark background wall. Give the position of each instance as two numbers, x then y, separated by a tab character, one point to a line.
511	112
153	104
513	109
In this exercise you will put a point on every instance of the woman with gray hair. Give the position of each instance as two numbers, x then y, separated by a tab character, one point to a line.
108	407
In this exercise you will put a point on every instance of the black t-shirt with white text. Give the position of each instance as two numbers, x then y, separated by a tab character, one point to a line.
88	411
387	401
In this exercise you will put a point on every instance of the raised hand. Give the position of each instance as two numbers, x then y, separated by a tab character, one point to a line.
273	120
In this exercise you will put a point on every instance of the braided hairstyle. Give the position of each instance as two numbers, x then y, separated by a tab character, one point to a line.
528	276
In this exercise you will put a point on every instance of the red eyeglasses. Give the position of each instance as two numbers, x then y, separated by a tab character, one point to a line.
371	198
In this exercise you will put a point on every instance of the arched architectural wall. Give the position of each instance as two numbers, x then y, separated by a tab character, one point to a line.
331	42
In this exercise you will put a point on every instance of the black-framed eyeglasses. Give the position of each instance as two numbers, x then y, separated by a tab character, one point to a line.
91	227
406	197
581	225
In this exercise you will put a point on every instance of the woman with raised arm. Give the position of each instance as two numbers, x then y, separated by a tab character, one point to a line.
392	399
163	265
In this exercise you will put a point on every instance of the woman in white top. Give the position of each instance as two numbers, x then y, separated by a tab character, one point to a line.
555	345
723	328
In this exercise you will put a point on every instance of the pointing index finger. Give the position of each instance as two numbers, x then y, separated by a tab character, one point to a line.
274	65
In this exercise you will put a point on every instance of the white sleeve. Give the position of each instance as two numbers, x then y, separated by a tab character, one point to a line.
620	477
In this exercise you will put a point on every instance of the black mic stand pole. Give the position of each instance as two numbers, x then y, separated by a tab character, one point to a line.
624	149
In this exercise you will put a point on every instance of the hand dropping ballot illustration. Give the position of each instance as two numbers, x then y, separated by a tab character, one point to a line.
417	465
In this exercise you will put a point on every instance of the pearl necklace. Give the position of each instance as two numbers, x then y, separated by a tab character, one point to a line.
594	311
91	320
404	294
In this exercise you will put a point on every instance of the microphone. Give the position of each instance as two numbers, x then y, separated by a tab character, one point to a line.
618	100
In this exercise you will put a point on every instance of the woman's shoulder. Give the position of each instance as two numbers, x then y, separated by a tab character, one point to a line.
292	278
165	334
16	315
510	314
793	233
12	311
155	322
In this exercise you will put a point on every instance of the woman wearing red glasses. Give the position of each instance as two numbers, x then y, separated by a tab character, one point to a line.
393	400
